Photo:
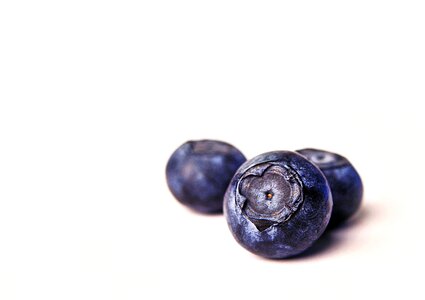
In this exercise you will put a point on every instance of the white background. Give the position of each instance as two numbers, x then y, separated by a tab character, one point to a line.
96	95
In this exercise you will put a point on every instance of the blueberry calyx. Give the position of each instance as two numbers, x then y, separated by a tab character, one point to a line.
324	159
268	194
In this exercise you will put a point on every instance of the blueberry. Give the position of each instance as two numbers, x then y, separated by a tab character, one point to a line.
198	173
277	204
344	181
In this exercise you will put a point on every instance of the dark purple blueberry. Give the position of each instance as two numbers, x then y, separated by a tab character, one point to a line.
277	204
344	181
198	173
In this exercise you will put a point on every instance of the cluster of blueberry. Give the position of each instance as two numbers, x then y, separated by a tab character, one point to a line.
277	204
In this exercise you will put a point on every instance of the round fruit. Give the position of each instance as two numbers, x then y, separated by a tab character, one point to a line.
344	181
198	173
277	204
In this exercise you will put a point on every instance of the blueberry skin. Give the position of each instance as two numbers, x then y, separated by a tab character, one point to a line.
277	204
198	173
344	181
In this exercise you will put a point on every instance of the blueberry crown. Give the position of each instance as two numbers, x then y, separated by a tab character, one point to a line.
269	194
